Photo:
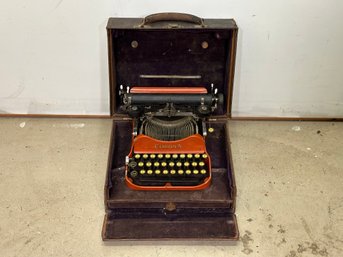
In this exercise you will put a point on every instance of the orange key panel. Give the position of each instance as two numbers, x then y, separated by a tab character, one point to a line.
168	165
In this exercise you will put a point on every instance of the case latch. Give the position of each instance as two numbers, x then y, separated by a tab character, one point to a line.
170	206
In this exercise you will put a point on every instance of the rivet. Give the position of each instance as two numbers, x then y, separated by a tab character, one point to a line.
204	44
134	44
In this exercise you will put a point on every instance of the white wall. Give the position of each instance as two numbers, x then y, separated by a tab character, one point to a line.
53	55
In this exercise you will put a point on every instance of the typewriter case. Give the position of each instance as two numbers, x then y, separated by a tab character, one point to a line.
186	51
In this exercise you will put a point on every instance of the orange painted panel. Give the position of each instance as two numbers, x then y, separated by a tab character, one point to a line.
192	144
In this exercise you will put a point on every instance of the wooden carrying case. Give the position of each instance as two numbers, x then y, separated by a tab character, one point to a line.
169	44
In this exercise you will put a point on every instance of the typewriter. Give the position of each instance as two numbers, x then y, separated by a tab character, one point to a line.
170	174
168	150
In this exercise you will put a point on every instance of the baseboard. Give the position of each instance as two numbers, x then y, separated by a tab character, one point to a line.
73	116
286	118
95	116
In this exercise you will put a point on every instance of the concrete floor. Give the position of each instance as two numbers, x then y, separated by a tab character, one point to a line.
289	178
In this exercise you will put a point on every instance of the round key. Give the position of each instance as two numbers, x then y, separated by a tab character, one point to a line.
141	164
152	156
132	164
164	164
179	164
189	155
156	164
175	156
182	156
188	172
171	164
133	173
201	164
197	156
194	164
148	164
149	172
137	156
204	156
160	156
167	156
172	172
203	171
180	172
145	156
142	172
195	172
157	172
186	164
165	172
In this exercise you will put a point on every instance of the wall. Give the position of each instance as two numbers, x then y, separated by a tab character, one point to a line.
53	55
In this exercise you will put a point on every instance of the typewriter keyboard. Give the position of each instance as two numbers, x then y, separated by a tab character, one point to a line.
150	169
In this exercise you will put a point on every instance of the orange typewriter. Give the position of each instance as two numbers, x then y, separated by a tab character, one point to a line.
168	150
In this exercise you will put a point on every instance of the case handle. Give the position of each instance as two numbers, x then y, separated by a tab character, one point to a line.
172	16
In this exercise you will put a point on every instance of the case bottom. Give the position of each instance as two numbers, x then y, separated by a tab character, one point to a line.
206	214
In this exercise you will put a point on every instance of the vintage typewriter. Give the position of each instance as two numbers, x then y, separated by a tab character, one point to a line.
170	174
168	149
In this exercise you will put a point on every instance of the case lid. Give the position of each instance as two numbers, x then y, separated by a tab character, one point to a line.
171	49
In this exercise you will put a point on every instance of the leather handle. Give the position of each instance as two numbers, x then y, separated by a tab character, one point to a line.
172	16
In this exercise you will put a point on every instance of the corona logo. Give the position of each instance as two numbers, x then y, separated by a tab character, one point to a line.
168	146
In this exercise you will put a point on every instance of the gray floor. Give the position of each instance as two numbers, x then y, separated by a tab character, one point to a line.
289	178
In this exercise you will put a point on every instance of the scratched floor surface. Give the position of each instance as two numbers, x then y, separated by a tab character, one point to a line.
289	178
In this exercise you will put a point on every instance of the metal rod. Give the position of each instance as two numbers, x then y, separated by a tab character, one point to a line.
145	76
